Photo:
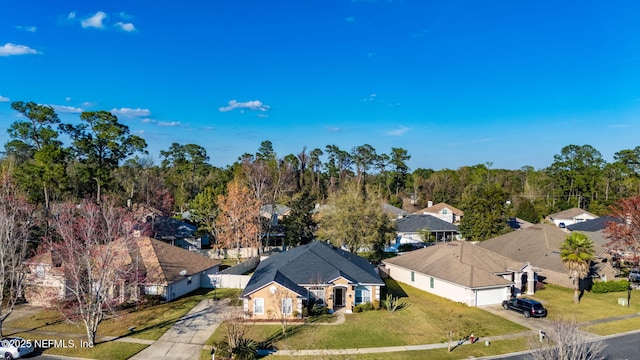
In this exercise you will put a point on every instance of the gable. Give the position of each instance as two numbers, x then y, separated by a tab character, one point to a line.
314	263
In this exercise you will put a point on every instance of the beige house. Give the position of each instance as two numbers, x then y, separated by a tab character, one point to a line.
540	245
316	273
442	211
162	269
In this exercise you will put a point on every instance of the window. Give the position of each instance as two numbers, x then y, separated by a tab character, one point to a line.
445	211
258	306
431	281
151	290
40	271
318	294
363	295
287	306
413	276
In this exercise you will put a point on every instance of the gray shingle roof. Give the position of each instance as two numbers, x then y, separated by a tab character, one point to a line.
414	223
596	224
459	262
314	263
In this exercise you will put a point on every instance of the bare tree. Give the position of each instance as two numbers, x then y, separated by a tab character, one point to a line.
15	230
283	302
566	342
94	245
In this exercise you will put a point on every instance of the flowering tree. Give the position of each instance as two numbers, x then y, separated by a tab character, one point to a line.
94	245
15	230
624	234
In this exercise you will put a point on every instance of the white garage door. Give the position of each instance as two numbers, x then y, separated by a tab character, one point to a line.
490	296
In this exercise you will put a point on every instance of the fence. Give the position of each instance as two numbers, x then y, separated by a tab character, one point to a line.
232	277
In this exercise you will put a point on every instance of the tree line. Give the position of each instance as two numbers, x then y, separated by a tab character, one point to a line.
102	157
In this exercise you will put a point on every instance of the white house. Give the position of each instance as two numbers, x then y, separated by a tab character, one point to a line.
442	211
570	217
462	272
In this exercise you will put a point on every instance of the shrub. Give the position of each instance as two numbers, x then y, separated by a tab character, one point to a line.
363	307
610	286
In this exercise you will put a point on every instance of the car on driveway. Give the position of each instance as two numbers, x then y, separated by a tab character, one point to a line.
15	347
528	307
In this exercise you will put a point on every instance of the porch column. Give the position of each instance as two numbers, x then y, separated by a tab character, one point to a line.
531	284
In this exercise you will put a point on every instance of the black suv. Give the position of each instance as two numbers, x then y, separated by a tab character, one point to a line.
527	307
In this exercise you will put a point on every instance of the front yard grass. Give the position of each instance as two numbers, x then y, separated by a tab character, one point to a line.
421	322
149	323
559	303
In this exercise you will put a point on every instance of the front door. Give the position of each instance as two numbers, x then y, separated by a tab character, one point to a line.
338	297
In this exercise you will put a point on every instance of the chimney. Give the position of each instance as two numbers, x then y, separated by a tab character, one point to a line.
429	203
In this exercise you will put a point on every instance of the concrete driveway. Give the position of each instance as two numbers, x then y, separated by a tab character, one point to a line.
535	324
186	338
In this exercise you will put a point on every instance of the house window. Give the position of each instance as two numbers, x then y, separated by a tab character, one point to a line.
151	290
431	281
363	295
287	306
318	294
40	271
258	306
444	212
413	276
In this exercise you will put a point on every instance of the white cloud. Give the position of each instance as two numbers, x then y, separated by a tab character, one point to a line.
334	129
131	112
87	104
128	27
398	132
66	109
4	99
168	123
71	16
251	105
95	21
124	16
27	28
9	49
68	98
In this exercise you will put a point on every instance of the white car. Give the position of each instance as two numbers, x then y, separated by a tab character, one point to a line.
15	347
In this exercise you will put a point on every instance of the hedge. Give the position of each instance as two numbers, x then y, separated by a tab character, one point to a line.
610	286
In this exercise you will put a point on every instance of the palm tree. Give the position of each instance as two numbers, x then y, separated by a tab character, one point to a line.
577	253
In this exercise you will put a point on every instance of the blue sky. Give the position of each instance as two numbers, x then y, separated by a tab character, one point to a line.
454	82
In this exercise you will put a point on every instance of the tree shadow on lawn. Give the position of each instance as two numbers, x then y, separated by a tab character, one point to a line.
268	343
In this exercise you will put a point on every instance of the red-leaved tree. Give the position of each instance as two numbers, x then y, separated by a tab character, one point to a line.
93	243
238	224
624	234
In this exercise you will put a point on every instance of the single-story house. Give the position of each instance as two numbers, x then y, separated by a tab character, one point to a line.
316	273
170	271
162	269
570	216
540	246
442	211
408	229
463	272
393	211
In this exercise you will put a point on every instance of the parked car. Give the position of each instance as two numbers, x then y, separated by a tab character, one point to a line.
15	347
527	307
634	275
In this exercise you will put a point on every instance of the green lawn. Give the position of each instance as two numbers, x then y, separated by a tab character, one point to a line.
421	322
149	322
614	327
559	302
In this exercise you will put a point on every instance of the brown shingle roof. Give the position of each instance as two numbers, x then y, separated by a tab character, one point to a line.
437	207
539	244
458	262
164	262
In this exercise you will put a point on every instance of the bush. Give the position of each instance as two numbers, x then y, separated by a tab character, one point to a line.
363	307
610	286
